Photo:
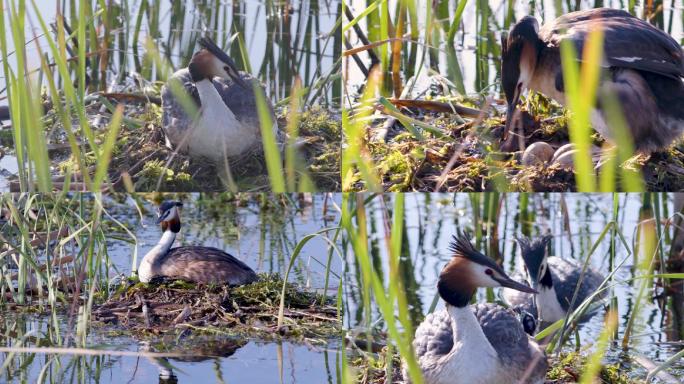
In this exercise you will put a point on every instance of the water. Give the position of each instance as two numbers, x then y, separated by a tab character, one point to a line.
261	237
432	219
8	169
281	43
232	359
264	237
263	240
471	67
277	45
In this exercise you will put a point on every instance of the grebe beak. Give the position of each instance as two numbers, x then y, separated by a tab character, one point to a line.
210	46
507	282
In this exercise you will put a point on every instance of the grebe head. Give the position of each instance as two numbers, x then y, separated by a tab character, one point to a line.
168	215
528	320
519	51
470	269
211	62
534	254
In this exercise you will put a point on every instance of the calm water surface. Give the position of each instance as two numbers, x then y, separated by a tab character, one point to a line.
432	219
264	240
469	72
265	34
281	43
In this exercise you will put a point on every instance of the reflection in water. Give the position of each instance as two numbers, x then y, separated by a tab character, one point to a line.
261	229
208	349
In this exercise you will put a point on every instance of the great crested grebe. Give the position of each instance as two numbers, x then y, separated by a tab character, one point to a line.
481	343
643	69
192	263
555	279
228	124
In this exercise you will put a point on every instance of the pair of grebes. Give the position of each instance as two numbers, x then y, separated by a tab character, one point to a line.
486	342
481	343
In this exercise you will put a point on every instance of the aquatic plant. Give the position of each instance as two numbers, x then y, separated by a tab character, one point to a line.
380	322
92	88
423	105
60	268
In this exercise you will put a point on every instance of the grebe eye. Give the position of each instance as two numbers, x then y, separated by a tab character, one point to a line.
489	272
226	69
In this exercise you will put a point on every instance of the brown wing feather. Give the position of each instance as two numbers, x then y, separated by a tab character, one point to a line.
629	42
206	265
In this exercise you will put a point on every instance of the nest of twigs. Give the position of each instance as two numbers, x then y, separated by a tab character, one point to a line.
141	160
465	158
563	369
454	149
169	306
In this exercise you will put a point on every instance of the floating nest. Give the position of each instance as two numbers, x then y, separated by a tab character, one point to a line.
141	161
564	369
163	307
142	155
458	150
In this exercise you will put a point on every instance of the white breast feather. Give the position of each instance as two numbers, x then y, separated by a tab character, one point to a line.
549	307
218	133
471	360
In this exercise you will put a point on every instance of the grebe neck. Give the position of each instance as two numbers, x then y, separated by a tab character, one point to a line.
211	99
464	324
151	260
471	347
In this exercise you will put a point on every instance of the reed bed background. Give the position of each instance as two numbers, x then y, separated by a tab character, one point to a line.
424	107
83	79
396	246
62	255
